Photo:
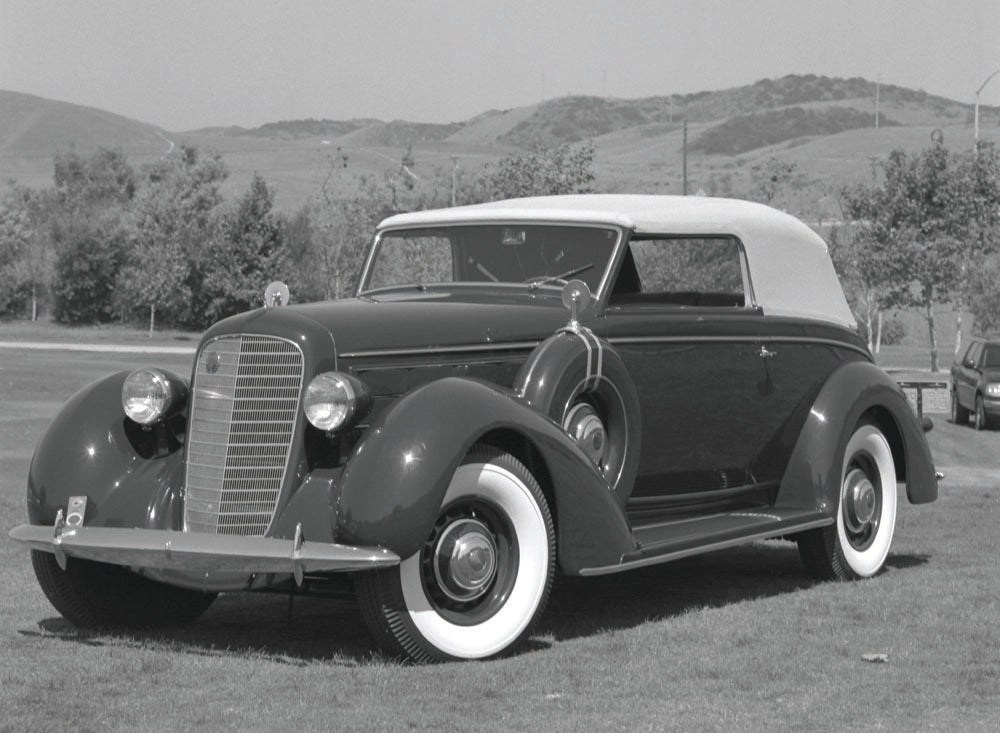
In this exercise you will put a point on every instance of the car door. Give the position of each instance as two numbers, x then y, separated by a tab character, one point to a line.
679	317
966	375
799	357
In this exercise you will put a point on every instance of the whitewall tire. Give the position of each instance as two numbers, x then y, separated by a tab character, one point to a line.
857	545
482	579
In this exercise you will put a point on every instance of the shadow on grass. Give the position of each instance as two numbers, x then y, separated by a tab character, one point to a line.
331	631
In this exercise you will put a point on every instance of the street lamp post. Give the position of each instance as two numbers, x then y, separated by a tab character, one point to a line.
975	134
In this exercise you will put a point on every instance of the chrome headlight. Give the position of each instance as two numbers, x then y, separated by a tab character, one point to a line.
149	395
993	389
334	400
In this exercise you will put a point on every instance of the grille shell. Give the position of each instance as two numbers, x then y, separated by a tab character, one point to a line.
244	416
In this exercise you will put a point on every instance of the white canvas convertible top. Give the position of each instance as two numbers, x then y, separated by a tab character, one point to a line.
790	269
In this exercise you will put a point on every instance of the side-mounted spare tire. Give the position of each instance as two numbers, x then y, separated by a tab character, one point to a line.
582	383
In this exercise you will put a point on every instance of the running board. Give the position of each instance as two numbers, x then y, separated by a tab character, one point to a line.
665	541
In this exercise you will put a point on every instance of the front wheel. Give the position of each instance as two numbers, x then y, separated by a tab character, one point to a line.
483	576
857	545
93	595
980	420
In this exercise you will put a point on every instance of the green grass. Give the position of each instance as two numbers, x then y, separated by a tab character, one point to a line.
45	330
737	639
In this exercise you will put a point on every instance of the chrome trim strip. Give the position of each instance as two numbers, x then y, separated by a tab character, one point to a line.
736	339
431	350
198	551
677	555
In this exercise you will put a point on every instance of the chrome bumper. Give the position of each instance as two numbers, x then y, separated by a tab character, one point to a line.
199	552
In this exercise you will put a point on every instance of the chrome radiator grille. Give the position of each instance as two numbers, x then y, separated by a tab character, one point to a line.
244	409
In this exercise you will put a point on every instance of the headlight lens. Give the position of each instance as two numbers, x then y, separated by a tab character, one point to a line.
147	395
993	390
331	400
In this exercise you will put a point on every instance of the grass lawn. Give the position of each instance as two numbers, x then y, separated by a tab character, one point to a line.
738	639
45	330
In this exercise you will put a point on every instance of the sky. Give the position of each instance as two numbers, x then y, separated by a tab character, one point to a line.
183	64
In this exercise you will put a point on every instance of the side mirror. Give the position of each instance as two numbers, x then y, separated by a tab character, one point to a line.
276	295
576	296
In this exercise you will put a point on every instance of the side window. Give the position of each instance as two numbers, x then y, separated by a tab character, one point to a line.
972	355
404	260
693	271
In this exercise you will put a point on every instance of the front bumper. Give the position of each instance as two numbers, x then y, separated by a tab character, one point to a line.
991	406
196	552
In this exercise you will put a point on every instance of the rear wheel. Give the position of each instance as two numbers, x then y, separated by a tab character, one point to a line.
857	545
959	414
98	595
483	576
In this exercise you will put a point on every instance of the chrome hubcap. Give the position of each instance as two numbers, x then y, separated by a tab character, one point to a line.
584	426
859	501
465	560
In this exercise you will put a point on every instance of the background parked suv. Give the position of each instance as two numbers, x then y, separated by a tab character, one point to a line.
976	384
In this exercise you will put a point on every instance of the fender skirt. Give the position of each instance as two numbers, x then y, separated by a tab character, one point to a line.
856	389
393	485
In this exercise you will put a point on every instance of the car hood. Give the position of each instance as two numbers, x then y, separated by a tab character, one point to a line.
991	375
408	322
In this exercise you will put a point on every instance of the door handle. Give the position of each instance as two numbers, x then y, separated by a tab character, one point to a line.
765	353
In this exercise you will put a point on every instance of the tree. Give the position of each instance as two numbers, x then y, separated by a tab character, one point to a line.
176	216
86	272
246	253
923	225
542	172
88	227
977	202
16	240
155	277
984	296
865	277
769	179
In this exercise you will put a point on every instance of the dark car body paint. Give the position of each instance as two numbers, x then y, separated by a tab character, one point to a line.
856	390
394	482
423	354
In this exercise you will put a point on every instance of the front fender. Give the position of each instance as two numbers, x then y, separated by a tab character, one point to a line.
394	483
812	477
131	477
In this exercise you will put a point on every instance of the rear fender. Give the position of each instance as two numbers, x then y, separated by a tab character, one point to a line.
395	481
856	389
131	476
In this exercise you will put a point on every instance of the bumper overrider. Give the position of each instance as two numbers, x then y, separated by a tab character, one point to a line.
196	552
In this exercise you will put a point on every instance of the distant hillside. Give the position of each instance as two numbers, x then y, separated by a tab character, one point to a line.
749	132
571	119
33	125
399	133
297	129
823	126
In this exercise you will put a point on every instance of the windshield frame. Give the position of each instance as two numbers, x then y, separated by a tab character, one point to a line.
529	288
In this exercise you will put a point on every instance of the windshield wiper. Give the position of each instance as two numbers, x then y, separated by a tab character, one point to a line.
558	279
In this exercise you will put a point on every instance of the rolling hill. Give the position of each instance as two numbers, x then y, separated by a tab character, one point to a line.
826	126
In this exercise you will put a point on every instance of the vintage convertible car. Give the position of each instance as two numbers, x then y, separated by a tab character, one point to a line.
578	384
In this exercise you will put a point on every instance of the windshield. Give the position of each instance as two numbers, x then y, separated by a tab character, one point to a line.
991	357
535	253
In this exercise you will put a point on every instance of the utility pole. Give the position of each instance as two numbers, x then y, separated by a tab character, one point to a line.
975	134
454	173
878	85
685	189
